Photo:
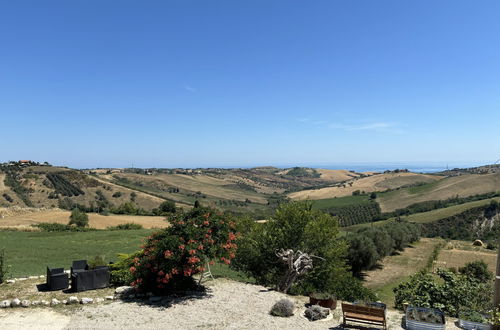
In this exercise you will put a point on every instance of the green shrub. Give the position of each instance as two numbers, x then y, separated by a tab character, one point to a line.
78	218
126	226
448	292
477	270
173	255
282	308
3	267
97	261
120	270
58	227
294	226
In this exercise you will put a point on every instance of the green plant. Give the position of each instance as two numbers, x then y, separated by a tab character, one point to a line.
120	270
97	261
3	267
126	226
316	312
294	226
477	270
472	315
172	256
282	308
78	218
322	295
59	227
448	292
494	318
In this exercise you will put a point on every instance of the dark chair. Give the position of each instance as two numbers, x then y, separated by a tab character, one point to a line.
84	280
78	266
101	277
57	279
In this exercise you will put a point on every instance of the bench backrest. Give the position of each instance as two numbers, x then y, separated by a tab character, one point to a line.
365	310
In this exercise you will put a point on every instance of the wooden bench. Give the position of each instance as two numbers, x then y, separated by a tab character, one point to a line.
363	314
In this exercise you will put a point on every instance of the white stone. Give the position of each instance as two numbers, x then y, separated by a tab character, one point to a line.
41	276
64	302
44	303
10	281
86	301
32	277
26	303
35	303
73	300
54	302
99	300
109	298
22	279
15	302
123	289
4	303
67	271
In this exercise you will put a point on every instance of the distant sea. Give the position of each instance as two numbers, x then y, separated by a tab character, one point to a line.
381	167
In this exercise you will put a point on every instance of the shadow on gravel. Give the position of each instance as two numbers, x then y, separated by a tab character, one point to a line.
164	302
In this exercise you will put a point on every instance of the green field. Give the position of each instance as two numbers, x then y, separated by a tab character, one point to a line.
321	204
29	253
431	216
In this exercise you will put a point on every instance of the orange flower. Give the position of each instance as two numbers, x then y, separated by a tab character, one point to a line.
168	254
200	247
132	269
192	252
181	247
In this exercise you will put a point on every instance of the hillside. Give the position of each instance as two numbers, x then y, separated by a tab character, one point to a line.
375	182
48	186
462	185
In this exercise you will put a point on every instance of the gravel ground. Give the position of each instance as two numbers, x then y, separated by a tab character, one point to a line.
227	305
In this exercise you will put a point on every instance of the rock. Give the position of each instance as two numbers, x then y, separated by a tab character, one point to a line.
35	303
26	303
22	279
85	301
109	298
73	300
32	277
155	299
54	302
15	302
67	271
4	303
41	276
10	281
124	290
99	300
64	302
44	303
316	312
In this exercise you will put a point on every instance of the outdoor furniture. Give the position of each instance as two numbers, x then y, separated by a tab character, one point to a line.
79	265
57	279
83	280
363	314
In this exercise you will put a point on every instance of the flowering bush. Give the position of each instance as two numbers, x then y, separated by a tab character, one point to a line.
172	256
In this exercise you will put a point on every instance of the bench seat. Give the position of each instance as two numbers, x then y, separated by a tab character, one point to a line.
364	314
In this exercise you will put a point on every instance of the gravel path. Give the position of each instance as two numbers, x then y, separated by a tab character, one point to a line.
227	305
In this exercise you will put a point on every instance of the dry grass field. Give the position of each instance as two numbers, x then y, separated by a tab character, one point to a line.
457	253
95	220
378	182
397	268
336	175
462	186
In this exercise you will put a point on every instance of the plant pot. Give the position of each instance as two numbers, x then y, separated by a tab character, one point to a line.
469	325
327	303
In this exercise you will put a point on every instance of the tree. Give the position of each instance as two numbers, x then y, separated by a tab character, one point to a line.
78	218
167	207
373	195
295	226
477	270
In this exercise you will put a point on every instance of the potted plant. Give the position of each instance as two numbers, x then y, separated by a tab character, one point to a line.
418	318
495	319
323	299
470	320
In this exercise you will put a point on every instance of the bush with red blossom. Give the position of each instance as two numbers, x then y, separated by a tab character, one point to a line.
171	257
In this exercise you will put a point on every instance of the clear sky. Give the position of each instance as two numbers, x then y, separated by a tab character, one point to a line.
101	83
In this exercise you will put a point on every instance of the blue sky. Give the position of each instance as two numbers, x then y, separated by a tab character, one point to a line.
242	83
